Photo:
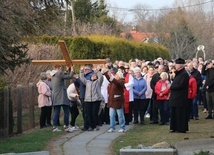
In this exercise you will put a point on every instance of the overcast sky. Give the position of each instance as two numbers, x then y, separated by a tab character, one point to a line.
118	6
155	4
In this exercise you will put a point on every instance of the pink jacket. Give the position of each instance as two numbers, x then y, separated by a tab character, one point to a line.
44	98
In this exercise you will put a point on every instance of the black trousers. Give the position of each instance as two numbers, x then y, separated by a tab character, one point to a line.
106	115
155	111
74	113
131	105
49	112
84	114
43	116
92	110
140	107
189	111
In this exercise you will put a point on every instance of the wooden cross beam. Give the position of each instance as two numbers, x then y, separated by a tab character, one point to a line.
67	60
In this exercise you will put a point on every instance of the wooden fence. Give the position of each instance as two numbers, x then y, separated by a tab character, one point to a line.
24	99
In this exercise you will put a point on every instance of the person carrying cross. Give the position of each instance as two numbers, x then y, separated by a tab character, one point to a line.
59	95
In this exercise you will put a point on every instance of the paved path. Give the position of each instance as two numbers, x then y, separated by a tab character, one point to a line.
86	143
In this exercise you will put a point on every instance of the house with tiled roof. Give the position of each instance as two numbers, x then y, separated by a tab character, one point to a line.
140	36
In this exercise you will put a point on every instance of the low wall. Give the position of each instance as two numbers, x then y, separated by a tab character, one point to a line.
149	151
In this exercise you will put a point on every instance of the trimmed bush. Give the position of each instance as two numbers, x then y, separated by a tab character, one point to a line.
99	47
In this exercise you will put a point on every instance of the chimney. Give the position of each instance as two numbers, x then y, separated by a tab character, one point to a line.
133	30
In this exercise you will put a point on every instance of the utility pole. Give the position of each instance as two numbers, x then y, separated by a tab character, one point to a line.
66	17
73	18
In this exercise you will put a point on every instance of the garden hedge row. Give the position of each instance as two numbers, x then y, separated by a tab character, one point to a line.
100	47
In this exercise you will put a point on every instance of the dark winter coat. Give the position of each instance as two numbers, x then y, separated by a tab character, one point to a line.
179	89
197	75
115	92
209	73
154	80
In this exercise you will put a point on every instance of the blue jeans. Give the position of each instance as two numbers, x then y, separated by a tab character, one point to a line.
57	108
121	118
195	106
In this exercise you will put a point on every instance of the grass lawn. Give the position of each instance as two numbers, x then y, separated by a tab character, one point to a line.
33	140
150	134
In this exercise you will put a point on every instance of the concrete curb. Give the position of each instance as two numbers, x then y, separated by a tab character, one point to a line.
168	151
29	153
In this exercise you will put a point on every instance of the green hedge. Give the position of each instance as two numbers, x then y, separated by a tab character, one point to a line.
99	47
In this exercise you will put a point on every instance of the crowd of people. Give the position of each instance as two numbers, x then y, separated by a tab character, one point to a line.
166	92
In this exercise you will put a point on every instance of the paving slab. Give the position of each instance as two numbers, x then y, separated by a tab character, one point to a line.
92	142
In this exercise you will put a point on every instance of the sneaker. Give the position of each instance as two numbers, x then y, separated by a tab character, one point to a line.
121	131
56	130
74	127
110	130
147	115
68	129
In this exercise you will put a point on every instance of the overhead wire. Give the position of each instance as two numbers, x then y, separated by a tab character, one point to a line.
162	9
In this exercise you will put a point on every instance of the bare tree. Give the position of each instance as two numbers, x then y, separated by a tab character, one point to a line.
141	16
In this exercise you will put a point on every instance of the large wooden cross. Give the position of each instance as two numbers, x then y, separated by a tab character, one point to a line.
67	60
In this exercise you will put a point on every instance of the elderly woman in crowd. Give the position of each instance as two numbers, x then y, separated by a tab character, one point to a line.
44	99
149	91
139	89
162	91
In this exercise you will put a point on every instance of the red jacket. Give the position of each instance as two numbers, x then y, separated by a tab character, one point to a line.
162	90
192	88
